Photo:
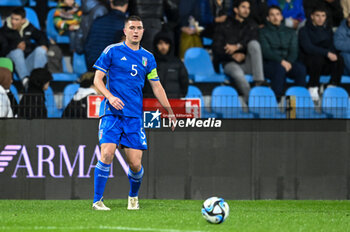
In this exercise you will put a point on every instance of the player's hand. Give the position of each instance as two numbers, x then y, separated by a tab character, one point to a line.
173	121
116	102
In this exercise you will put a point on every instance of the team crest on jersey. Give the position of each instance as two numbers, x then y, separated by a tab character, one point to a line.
144	61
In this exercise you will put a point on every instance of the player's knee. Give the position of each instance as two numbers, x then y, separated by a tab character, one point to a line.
107	156
135	166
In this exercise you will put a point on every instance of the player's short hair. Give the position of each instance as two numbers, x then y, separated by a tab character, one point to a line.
274	7
133	18
237	3
19	11
119	2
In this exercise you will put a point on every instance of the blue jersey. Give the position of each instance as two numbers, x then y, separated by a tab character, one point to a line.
126	71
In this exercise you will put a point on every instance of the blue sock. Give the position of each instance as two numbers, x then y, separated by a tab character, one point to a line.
135	179
101	177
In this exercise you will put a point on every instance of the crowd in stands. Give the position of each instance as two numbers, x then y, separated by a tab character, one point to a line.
271	40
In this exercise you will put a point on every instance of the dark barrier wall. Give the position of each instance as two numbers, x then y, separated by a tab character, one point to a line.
244	159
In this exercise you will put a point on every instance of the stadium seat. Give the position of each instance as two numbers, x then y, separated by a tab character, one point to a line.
207	41
71	77
226	103
50	3
52	111
262	102
0	21
345	79
335	102
32	17
14	91
200	67
52	31
194	92
79	64
68	94
13	2
305	107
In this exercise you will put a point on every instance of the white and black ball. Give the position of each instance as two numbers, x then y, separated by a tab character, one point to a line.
215	210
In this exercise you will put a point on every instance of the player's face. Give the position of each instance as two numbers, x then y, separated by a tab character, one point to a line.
318	18
275	17
133	31
17	21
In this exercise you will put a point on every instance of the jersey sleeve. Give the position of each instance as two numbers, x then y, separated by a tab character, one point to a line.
152	70
104	61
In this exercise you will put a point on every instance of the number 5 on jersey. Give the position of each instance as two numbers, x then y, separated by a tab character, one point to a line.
133	67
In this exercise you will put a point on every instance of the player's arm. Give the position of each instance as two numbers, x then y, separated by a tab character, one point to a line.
98	82
160	94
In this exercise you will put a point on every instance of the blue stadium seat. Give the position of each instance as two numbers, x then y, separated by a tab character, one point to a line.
225	102
50	3
13	2
335	102
52	111
200	67
52	31
71	77
305	107
194	92
207	41
32	17
14	91
79	64
345	79
68	94
262	101
0	21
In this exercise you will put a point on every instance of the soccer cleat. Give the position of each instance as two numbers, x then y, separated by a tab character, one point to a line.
98	205
133	203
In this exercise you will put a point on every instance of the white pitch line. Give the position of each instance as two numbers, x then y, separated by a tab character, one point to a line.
93	228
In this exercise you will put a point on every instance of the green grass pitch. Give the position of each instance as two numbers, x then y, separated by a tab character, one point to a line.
173	216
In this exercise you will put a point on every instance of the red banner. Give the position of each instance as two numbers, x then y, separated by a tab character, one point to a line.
94	102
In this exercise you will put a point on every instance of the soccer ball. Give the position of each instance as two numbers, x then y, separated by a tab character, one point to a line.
215	210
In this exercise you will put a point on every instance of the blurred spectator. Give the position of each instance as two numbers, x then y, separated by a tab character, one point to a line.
152	12
292	11
333	9
236	47
279	45
219	12
318	52
32	104
190	15
78	106
171	71
92	9
342	42
345	4
258	11
105	31
5	83
3	44
27	45
67	19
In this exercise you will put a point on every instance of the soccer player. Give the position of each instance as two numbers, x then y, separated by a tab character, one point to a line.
126	65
